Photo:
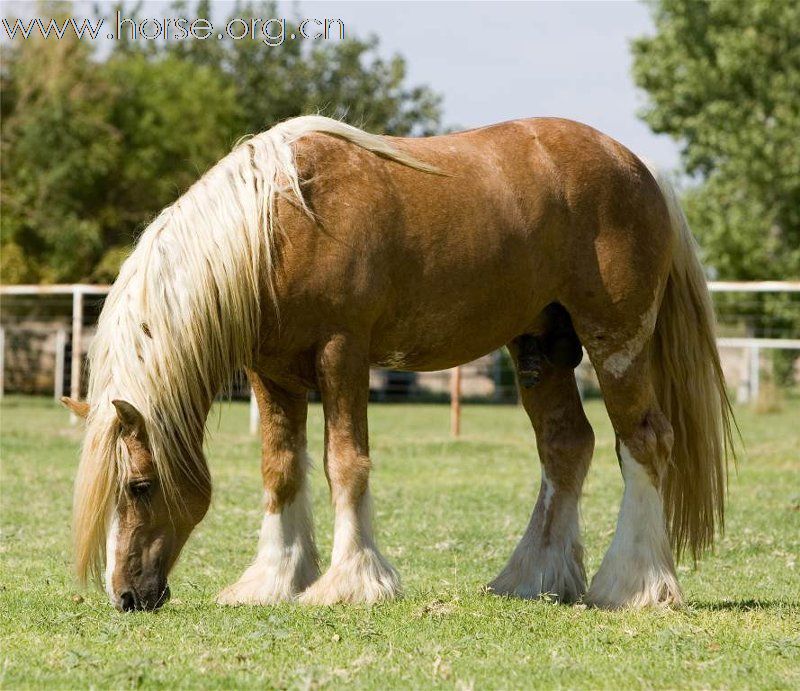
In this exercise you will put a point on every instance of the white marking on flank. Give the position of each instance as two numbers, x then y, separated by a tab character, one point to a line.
394	359
618	363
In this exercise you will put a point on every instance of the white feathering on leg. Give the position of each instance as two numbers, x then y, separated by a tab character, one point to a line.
638	569
358	571
286	563
549	558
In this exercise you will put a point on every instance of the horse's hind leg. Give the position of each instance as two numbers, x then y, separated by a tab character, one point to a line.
286	562
549	557
638	569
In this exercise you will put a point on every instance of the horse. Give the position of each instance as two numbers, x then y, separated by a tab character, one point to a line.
315	250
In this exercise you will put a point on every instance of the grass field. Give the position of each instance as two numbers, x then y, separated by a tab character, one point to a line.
448	514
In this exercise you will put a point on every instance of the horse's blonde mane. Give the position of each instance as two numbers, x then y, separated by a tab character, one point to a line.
184	315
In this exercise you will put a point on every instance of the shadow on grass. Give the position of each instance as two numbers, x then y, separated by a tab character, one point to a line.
743	605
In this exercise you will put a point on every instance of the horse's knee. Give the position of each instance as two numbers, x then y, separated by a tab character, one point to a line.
568	443
348	476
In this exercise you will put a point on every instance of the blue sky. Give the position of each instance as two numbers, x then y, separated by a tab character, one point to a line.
495	61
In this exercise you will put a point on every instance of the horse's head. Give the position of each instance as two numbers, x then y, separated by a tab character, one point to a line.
146	516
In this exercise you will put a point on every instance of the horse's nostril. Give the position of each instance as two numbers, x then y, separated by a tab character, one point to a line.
128	601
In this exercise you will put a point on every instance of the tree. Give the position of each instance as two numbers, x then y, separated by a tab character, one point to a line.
93	147
58	149
343	79
91	151
175	120
723	77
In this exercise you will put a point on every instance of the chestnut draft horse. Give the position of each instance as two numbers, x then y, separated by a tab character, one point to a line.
315	250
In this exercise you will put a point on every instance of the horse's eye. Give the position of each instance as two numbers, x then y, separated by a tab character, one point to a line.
140	488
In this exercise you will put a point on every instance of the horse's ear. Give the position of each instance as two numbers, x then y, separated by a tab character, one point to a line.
131	419
80	408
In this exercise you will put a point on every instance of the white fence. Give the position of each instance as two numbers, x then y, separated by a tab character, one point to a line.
71	334
750	314
761	320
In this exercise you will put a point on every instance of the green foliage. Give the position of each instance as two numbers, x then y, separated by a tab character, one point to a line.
175	120
342	79
58	149
93	147
723	77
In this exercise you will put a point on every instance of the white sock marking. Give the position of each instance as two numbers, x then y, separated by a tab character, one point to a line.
352	530
358	571
547	563
285	535
286	561
638	569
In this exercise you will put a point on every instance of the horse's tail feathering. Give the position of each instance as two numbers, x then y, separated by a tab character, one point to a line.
691	391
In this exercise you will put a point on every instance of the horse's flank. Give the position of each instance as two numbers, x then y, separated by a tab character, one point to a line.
184	315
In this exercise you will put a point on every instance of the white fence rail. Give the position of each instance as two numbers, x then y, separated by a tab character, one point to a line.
69	317
752	346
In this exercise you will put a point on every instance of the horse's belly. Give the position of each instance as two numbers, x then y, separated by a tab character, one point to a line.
445	330
421	357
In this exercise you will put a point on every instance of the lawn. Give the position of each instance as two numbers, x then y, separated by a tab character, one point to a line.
448	514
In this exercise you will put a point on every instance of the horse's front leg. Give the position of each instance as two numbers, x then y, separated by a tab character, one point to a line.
358	572
286	562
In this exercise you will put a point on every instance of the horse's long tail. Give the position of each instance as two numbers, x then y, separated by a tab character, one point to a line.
691	391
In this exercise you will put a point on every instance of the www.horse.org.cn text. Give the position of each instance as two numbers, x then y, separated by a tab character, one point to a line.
270	31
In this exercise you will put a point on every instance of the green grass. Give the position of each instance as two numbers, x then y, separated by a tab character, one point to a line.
448	514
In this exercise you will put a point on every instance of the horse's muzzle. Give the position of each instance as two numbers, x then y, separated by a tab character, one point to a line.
131	601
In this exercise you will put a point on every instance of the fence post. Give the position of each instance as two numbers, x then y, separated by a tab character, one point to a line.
455	401
2	361
77	333
743	389
61	351
755	367
254	417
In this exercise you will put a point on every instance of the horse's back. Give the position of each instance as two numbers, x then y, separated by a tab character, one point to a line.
533	175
